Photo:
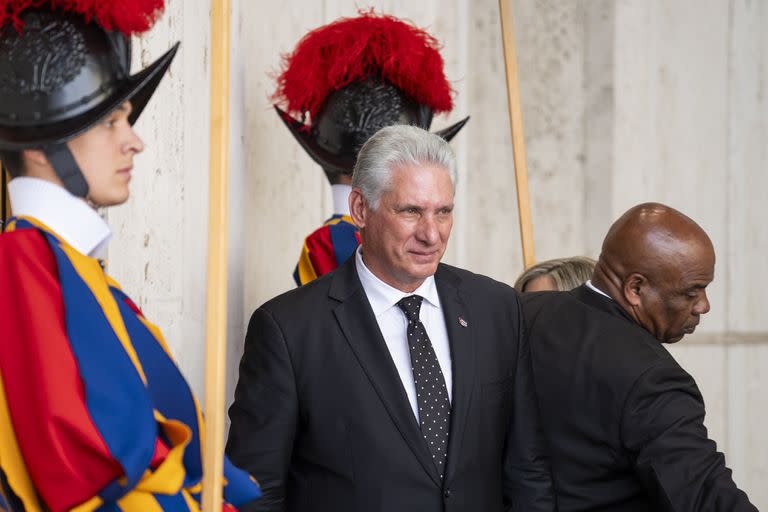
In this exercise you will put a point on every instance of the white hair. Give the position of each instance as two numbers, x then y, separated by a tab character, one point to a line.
394	147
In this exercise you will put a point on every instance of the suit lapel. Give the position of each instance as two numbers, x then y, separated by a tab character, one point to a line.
359	326
462	358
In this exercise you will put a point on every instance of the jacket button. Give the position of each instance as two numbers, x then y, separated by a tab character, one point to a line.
447	493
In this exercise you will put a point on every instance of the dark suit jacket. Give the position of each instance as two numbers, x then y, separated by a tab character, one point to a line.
322	420
623	420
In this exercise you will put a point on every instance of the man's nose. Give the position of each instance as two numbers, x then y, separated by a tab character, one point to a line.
702	305
133	142
427	230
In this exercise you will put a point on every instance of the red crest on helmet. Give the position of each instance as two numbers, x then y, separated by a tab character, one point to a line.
353	49
127	16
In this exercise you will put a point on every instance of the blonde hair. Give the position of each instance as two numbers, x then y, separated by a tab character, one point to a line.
566	273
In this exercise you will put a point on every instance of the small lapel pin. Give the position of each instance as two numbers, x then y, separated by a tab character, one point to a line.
462	322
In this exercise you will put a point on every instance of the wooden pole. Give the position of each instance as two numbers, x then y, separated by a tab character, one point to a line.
518	138
216	307
5	209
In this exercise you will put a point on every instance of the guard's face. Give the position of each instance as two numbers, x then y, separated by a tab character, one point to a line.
673	302
105	155
406	236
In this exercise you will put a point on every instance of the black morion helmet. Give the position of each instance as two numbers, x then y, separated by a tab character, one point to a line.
59	76
350	78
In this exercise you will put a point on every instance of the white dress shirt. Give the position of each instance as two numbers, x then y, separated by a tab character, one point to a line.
393	325
341	199
68	216
593	288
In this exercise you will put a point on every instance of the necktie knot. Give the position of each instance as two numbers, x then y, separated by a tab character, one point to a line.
411	305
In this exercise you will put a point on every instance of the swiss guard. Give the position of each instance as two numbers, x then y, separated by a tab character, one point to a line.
344	82
94	414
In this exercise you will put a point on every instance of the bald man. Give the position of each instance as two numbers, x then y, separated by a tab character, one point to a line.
624	421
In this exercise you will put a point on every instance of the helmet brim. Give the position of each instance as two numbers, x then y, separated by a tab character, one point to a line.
336	163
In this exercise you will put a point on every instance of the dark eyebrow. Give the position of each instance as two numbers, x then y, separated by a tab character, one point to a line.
402	208
405	207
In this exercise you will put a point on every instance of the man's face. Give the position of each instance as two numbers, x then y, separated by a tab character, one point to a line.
406	236
105	155
672	303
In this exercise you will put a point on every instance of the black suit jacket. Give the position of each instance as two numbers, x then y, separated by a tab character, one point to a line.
623	420
322	420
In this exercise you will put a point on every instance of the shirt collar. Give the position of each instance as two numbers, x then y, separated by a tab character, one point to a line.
596	290
341	199
68	216
383	296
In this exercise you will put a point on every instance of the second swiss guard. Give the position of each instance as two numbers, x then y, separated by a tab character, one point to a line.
342	83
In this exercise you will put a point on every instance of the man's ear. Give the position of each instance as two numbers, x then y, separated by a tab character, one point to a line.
633	288
358	207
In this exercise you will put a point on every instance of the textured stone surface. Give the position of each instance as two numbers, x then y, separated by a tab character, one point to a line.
493	233
551	52
747	180
747	441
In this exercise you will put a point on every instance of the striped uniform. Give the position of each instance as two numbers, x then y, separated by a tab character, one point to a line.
94	414
327	248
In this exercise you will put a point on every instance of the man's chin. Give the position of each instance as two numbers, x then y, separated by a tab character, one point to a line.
424	270
676	338
424	260
416	274
680	335
112	200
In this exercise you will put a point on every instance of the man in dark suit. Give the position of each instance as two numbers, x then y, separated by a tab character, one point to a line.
624	421
395	383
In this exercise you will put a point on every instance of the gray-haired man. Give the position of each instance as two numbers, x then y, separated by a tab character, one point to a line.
395	383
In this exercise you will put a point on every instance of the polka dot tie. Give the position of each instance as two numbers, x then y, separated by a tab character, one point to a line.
431	393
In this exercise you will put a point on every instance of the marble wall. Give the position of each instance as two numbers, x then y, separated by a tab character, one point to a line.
623	101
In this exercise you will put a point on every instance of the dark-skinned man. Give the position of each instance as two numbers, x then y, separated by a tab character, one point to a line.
623	420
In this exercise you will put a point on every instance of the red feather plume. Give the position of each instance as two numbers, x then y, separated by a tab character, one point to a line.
352	49
127	16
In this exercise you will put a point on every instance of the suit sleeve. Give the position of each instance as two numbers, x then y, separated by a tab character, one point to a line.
527	477
265	412
663	425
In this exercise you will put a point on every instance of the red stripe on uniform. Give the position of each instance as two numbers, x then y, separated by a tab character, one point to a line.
320	248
